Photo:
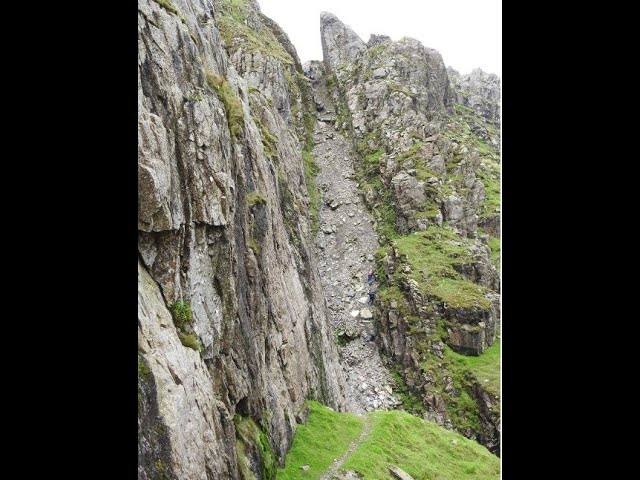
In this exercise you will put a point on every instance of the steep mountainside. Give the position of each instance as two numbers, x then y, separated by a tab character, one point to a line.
266	192
233	333
429	168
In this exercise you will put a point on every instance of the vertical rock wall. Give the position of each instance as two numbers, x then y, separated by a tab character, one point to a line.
224	230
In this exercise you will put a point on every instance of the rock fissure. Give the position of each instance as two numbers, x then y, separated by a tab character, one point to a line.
346	243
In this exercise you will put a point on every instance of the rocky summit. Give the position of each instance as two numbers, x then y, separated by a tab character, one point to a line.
318	250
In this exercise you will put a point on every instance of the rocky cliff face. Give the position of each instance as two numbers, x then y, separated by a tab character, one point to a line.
428	141
233	333
478	90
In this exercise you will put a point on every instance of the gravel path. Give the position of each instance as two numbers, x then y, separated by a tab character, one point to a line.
345	245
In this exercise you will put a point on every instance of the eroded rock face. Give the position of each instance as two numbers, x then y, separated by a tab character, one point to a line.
224	227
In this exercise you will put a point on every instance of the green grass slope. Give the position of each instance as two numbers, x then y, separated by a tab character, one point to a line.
325	437
422	449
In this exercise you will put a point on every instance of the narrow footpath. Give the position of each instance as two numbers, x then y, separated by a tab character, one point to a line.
345	245
331	473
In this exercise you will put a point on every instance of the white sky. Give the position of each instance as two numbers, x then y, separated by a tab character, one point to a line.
468	33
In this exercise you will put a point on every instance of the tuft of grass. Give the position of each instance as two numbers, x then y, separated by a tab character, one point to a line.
494	245
189	341
420	448
168	6
256	198
331	82
491	182
378	49
325	436
371	162
232	105
181	312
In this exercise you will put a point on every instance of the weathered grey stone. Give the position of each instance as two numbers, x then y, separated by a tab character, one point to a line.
379	73
340	44
400	474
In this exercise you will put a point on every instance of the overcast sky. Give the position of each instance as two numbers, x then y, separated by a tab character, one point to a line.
466	32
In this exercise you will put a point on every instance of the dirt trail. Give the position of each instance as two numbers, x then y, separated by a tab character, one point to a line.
333	469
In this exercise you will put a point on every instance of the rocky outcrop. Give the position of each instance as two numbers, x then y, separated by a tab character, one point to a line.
478	90
233	329
340	44
429	170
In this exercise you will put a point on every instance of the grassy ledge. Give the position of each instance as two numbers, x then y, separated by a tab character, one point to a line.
483	367
432	255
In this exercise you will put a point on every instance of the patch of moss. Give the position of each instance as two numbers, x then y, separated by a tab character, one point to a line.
232	105
254	245
372	162
250	436
189	341
411	152
310	172
269	142
256	198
